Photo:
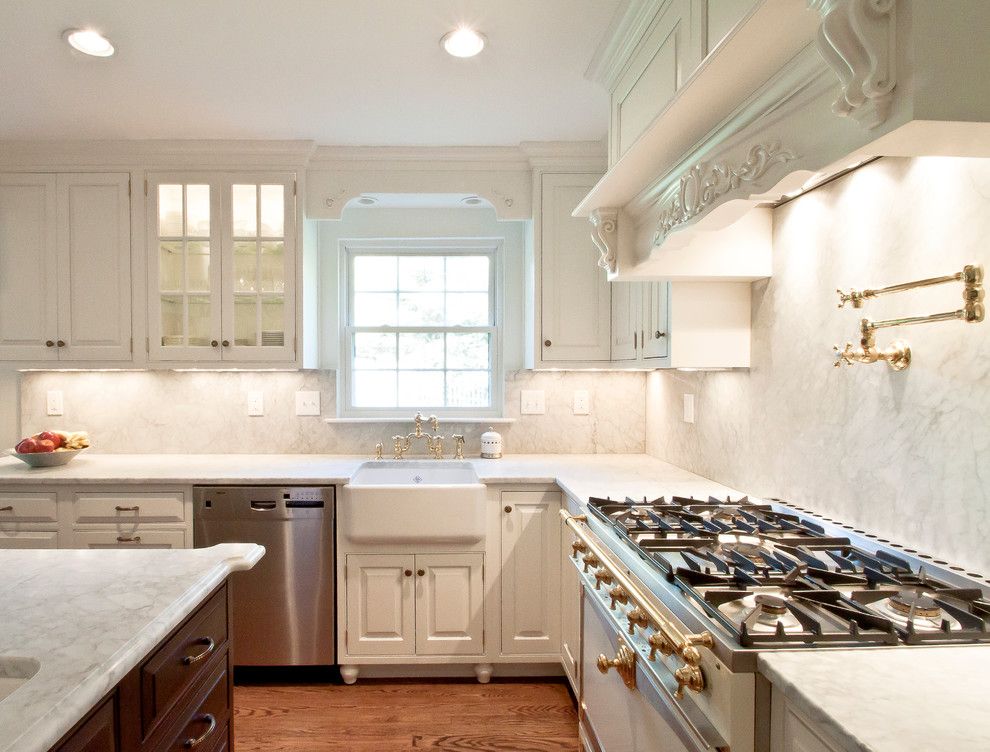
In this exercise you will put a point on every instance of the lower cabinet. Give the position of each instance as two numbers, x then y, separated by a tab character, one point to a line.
178	698
414	604
791	731
530	543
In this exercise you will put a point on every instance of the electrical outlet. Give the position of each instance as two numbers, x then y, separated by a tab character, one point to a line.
307	403
689	408
256	403
582	402
54	403
532	402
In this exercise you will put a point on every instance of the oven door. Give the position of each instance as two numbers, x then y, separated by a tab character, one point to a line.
617	718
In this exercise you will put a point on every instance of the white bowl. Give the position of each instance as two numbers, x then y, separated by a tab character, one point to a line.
47	459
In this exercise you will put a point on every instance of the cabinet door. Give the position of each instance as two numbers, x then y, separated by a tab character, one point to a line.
131	536
380	618
28	270
626	318
570	610
11	537
530	572
94	266
450	615
184	268
575	294
656	320
259	268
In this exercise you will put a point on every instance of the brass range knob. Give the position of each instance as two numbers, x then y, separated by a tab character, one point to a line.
578	547
637	618
591	561
618	595
603	575
624	664
659	641
690	677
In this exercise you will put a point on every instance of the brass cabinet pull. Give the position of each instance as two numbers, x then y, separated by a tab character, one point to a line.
421	572
508	510
60	343
196	741
624	664
408	573
8	508
214	343
49	343
546	343
226	343
134	508
635	334
210	647
128	539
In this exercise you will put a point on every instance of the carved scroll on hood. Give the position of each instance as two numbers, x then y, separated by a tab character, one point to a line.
703	185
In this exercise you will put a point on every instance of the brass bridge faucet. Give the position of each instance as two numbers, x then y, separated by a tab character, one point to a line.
434	442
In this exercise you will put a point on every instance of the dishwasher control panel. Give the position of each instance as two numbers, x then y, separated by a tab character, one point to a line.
303	497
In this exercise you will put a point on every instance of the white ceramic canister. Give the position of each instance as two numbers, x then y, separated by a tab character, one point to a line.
491	444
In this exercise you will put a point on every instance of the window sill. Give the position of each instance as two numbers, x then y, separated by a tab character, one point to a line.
451	420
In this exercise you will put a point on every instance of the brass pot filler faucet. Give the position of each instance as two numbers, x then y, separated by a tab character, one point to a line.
898	354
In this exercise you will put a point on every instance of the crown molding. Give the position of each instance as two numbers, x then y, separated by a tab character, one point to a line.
201	154
628	26
566	155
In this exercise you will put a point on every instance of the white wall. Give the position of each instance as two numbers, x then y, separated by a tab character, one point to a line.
906	455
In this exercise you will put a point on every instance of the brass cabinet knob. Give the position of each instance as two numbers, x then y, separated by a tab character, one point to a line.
624	664
408	573
60	343
421	572
660	334
590	560
226	343
508	509
214	343
547	343
49	343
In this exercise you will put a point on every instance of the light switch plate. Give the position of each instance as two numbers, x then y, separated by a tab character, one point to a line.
582	402
689	408
256	403
54	402
532	402
307	403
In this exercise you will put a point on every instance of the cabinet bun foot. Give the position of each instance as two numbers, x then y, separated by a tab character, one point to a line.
349	674
484	672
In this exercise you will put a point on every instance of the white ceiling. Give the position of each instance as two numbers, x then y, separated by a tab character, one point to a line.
337	71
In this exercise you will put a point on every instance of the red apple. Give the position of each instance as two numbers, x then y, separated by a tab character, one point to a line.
27	446
44	445
51	436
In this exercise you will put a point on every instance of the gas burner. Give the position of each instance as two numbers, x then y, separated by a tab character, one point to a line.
915	611
908	603
750	546
762	613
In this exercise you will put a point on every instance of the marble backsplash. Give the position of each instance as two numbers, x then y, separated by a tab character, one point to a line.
905	455
206	411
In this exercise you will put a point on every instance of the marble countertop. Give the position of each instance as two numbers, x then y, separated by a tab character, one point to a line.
89	617
890	700
581	475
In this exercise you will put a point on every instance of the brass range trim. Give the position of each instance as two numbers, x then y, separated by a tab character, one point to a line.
898	354
667	638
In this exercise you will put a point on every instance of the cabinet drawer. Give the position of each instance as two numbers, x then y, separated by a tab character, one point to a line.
17	507
206	727
101	508
27	538
98	733
130	538
181	661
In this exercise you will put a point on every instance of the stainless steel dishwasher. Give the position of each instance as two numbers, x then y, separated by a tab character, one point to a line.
283	609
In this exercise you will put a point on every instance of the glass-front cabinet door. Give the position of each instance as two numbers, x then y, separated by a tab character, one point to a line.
222	272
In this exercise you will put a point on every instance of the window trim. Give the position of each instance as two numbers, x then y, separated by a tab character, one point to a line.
444	246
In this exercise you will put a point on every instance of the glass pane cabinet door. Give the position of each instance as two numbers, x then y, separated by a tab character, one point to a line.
258	308
185	310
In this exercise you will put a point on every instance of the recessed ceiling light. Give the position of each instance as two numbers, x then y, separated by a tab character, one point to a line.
367	201
472	201
463	42
89	42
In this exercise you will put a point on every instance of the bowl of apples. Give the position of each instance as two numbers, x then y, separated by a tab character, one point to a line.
51	448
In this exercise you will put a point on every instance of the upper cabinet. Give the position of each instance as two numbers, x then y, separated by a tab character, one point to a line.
65	267
222	271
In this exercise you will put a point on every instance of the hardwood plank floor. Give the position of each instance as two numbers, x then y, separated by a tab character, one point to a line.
401	715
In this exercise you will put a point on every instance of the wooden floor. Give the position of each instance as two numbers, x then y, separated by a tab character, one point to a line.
399	715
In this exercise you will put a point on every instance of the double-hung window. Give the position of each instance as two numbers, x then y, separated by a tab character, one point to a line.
421	327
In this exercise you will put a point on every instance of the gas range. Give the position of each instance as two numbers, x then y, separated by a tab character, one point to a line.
772	577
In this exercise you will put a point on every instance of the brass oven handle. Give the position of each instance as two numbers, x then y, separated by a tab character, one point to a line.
210	647
128	539
134	508
196	741
645	614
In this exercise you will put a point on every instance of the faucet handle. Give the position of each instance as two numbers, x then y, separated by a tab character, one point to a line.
379	448
458	445
435	422
842	356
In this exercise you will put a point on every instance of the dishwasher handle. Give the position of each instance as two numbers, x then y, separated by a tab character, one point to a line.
263	506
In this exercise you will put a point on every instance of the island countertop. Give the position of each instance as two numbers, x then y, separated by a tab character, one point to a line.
88	618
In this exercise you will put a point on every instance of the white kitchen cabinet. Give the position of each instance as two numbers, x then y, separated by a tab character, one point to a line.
422	604
792	731
114	507
65	271
223	267
450	615
573	293
381	607
530	542
626	303
101	538
640	323
570	608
